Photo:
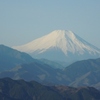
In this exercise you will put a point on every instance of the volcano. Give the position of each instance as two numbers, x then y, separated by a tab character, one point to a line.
60	45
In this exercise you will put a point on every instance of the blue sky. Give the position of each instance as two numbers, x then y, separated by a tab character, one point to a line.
21	21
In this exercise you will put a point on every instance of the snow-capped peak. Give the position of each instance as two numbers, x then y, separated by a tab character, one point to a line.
57	38
64	40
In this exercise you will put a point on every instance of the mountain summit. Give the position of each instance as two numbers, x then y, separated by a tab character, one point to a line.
60	45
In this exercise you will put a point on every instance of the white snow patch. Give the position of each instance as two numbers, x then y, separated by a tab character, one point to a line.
66	41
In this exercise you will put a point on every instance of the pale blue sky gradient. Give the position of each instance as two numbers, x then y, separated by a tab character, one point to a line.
21	21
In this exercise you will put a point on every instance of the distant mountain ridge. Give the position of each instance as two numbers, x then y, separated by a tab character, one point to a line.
60	45
81	73
18	65
10	58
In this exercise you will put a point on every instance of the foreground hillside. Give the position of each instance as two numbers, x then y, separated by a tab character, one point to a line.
22	90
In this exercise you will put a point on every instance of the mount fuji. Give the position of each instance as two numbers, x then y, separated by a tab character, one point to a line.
60	45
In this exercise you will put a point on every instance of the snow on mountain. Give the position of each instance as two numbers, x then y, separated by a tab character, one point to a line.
60	43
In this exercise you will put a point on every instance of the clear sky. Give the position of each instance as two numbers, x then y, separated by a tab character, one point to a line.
22	21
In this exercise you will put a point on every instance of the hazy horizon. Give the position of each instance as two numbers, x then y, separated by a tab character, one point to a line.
23	21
